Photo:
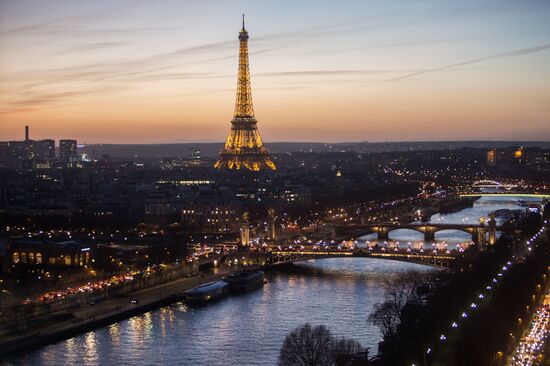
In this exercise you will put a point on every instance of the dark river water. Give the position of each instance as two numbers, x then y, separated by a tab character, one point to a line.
249	329
239	330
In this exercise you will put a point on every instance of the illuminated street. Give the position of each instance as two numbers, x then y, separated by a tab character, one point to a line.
529	350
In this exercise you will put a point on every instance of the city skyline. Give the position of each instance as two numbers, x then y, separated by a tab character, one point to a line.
161	72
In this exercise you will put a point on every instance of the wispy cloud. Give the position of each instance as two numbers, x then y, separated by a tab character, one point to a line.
48	97
80	23
327	72
147	68
14	111
58	24
512	53
95	46
410	43
103	71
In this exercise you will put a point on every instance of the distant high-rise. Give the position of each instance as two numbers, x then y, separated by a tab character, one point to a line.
43	150
492	157
244	147
24	154
195	154
518	154
67	150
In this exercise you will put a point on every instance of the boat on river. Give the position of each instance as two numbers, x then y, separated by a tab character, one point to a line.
245	280
503	213
207	292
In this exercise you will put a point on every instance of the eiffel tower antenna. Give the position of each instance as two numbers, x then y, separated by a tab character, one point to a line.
244	147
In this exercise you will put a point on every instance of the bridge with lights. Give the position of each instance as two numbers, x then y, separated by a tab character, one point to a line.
436	255
492	184
478	232
268	257
491	188
506	194
438	258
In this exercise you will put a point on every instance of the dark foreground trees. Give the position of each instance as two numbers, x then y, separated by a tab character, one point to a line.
316	346
407	289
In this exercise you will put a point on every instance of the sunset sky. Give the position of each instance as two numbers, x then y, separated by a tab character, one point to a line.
164	71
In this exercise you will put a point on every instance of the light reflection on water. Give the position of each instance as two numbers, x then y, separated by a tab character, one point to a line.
482	207
248	329
245	329
90	349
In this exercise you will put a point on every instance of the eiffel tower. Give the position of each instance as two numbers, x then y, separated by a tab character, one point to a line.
244	147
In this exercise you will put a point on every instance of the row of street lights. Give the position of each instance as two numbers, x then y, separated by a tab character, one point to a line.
489	287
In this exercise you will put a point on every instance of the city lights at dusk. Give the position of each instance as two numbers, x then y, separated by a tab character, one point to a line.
305	183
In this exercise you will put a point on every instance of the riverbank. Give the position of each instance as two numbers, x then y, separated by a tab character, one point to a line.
109	311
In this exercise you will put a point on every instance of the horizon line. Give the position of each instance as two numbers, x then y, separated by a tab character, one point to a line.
317	142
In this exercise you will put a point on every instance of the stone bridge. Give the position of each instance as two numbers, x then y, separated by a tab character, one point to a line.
478	232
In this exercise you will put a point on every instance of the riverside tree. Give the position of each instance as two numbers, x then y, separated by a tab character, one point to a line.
315	346
404	290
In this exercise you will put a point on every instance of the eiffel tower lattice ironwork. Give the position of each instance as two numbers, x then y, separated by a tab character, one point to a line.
244	147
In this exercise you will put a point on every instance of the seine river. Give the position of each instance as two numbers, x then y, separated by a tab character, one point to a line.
249	329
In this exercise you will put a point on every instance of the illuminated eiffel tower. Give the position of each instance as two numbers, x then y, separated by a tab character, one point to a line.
244	147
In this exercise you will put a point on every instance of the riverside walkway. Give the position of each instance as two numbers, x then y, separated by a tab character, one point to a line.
106	312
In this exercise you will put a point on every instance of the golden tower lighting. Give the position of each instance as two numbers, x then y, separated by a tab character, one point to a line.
244	147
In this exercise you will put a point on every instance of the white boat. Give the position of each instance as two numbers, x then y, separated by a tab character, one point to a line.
207	292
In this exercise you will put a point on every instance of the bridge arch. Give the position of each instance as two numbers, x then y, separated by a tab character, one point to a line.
491	185
382	231
453	235
486	182
438	234
406	234
467	233
368	236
